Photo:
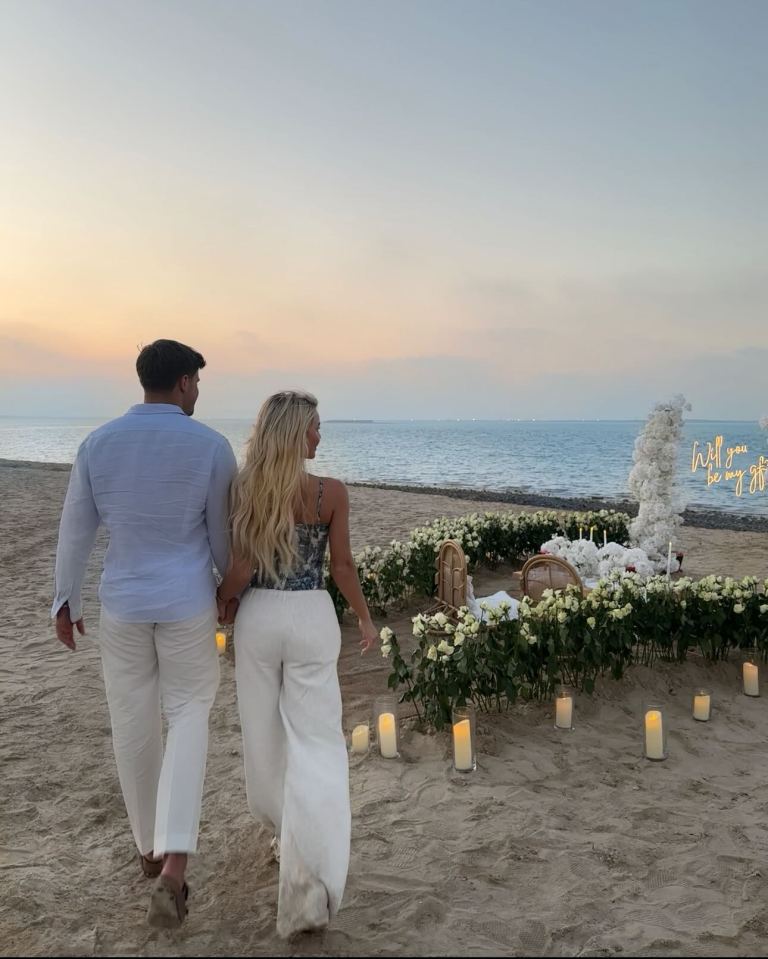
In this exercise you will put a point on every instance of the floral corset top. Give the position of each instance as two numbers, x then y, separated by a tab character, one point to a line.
312	539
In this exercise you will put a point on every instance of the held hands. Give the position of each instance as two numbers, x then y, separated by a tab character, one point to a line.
227	609
64	631
369	635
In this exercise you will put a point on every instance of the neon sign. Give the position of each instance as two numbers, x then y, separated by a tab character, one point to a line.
718	463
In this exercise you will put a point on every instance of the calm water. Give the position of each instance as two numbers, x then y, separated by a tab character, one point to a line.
567	458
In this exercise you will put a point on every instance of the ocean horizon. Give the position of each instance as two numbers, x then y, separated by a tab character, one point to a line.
570	458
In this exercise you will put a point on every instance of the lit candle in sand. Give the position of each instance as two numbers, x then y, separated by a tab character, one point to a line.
564	710
360	738
702	706
605	537
581	530
591	533
462	746
751	677
387	735
654	734
221	641
669	558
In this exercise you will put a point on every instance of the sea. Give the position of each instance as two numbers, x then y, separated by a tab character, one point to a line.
564	458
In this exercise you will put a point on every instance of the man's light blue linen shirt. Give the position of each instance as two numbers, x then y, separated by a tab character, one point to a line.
159	482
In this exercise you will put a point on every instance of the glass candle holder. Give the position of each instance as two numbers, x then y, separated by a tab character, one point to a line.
654	733
385	728
360	740
750	673
463	736
702	705
221	642
564	708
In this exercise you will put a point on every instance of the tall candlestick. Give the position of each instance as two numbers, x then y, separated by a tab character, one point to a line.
605	537
580	531
750	676
669	558
654	734
387	736
591	533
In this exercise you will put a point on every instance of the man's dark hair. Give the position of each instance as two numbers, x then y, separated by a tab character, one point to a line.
162	364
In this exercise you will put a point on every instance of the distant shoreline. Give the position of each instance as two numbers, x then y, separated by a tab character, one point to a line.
703	518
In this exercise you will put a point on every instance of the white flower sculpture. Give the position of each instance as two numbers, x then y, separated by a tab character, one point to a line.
652	482
591	562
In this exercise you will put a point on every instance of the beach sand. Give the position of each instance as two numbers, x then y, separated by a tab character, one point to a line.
559	844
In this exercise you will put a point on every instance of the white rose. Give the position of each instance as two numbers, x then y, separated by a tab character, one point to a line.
591	622
432	653
445	648
738	608
386	634
386	650
458	639
441	619
562	617
764	608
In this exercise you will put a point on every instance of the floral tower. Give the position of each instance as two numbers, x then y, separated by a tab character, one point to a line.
653	481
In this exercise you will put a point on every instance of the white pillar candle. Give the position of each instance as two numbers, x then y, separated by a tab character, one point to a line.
591	533
462	746
564	711
605	537
750	676
360	738
580	531
654	737
669	558
221	641
702	705
387	736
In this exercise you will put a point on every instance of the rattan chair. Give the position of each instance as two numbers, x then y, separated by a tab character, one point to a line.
450	579
547	572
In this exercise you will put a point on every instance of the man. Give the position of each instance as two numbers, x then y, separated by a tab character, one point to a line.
159	482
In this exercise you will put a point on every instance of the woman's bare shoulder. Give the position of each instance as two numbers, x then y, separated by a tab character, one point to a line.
334	491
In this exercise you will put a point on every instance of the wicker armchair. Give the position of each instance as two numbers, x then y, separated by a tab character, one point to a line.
547	572
450	579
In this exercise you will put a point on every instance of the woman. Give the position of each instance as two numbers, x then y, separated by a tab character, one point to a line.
287	642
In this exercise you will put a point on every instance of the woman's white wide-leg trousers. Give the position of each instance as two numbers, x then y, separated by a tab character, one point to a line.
296	769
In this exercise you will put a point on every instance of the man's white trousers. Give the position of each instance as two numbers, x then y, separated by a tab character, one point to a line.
146	664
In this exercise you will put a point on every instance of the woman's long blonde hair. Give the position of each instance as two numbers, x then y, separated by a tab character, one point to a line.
269	486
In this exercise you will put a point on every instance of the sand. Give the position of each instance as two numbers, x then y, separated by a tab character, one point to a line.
559	844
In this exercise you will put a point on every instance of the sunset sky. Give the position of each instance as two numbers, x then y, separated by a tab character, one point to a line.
414	209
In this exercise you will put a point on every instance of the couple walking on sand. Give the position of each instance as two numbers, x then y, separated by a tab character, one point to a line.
169	493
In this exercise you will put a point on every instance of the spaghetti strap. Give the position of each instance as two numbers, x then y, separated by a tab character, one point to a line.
319	497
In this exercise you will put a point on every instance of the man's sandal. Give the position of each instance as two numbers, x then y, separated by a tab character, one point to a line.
150	867
168	903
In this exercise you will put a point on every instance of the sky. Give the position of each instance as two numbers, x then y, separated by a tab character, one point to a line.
435	209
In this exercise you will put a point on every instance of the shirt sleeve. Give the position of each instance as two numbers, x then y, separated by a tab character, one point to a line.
77	532
217	505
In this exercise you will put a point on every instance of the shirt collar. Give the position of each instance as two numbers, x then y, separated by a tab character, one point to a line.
144	408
